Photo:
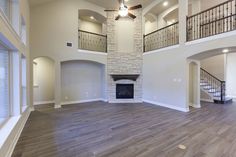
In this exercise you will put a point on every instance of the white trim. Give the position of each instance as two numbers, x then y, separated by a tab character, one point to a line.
105	100
81	101
167	106
207	100
11	132
195	105
44	102
10	27
233	97
130	101
162	49
92	52
211	38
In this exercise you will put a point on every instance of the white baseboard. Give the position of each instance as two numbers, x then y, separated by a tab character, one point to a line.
125	101
195	105
233	97
167	106
207	100
81	101
44	102
14	131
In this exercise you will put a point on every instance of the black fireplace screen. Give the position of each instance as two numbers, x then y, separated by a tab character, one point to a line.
124	91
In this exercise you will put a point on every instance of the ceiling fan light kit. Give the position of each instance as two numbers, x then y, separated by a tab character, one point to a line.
125	11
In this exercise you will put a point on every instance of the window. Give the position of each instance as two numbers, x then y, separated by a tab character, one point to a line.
23	30
23	84
4	86
5	7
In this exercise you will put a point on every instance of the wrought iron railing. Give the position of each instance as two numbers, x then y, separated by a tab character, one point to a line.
161	38
92	41
217	86
216	20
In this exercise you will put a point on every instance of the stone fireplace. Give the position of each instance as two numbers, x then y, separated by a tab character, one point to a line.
124	58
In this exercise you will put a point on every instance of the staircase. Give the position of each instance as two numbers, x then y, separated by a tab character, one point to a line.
214	87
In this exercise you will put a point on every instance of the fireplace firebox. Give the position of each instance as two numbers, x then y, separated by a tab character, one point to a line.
124	91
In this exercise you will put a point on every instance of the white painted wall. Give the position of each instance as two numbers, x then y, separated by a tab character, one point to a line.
82	81
90	26
231	75
210	3
215	66
165	71
44	80
150	26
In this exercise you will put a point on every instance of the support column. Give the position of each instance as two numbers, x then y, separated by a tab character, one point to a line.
183	13
30	84
197	90
57	84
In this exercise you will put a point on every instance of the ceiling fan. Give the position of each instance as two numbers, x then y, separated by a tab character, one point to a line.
124	10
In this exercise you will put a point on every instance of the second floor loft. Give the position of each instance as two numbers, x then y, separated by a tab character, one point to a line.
160	33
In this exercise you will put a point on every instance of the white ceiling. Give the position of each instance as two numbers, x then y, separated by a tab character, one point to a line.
108	4
113	4
86	14
159	8
38	2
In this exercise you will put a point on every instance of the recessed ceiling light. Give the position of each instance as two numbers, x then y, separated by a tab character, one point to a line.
165	3
181	146
91	17
225	50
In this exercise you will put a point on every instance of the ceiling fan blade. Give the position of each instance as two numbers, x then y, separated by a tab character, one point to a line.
131	15
117	17
135	7
111	10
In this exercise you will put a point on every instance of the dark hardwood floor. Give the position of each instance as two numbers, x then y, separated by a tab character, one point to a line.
128	130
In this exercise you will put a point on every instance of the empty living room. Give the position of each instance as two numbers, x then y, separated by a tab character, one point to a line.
117	78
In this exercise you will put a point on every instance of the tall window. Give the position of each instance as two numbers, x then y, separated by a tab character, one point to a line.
4	85
23	30
23	87
5	7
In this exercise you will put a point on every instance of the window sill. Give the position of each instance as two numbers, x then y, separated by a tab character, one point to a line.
24	107
6	129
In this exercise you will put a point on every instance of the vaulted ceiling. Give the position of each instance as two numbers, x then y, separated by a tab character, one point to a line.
38	2
115	3
103	3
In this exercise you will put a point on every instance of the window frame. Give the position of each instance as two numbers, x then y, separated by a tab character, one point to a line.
8	14
9	114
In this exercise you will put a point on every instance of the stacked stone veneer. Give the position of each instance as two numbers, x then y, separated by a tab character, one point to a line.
124	62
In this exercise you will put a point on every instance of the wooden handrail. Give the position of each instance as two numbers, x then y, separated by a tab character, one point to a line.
212	76
220	19
161	29
92	33
223	3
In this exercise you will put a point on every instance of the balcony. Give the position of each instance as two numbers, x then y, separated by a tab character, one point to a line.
161	38
216	20
92	41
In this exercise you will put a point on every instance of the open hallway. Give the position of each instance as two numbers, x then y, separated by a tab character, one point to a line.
126	130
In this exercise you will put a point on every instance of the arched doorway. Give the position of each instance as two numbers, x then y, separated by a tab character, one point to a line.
194	84
43	80
216	75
